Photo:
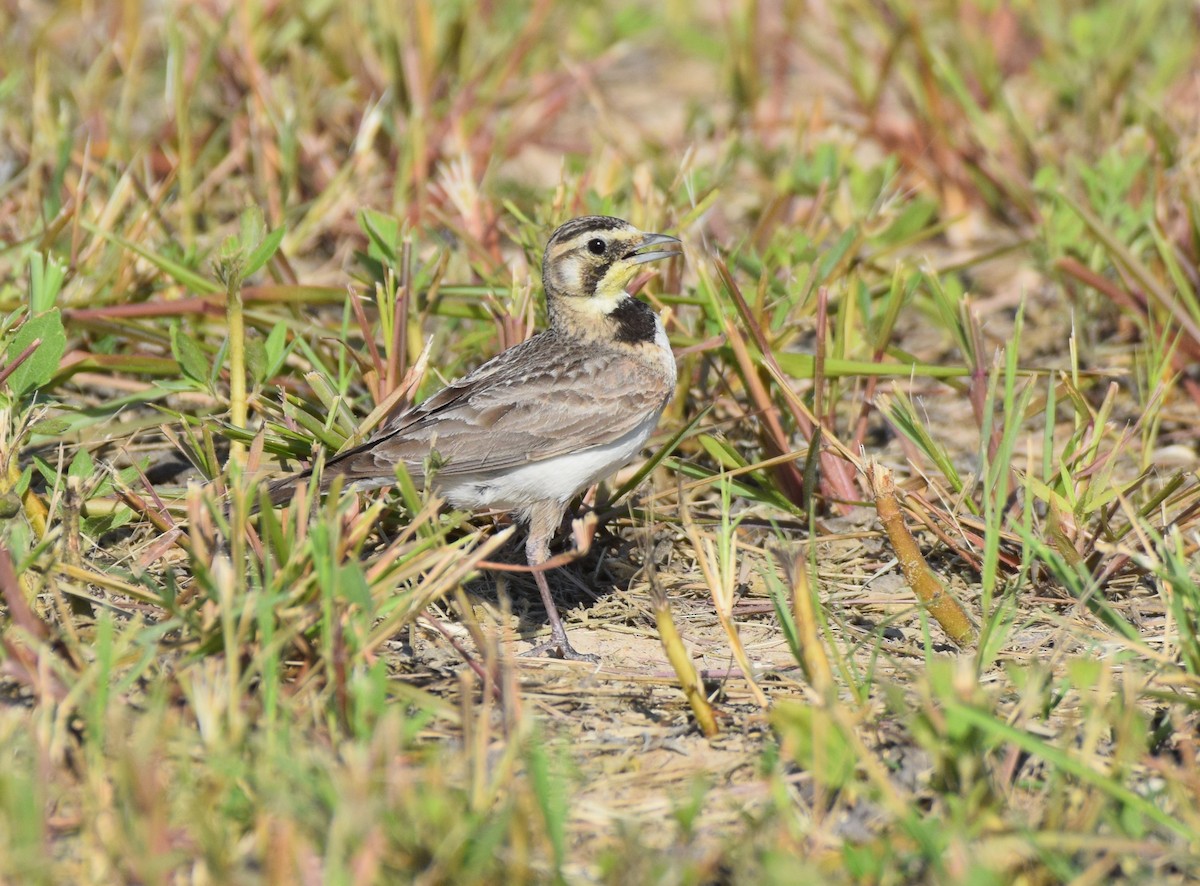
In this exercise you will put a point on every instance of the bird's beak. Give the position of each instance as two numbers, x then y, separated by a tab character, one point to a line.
646	252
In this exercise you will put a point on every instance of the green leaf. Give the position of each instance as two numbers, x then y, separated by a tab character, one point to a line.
46	276
41	365
252	228
722	452
384	234
50	427
352	584
189	355
276	349
781	600
22	484
256	359
833	256
263	252
48	471
82	465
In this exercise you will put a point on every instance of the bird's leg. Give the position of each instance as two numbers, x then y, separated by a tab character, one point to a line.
543	521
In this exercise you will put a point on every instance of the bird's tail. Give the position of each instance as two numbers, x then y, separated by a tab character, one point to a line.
357	472
281	491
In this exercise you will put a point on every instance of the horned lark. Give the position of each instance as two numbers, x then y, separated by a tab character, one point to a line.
534	426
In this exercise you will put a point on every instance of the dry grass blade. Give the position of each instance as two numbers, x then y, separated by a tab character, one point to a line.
35	509
939	602
677	655
444	572
813	658
717	559
15	363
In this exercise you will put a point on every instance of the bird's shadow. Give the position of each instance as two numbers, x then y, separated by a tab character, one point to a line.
584	583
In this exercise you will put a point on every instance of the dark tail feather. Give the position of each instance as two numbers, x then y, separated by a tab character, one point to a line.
345	465
281	491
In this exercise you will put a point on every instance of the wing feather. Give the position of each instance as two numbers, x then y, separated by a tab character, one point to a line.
546	397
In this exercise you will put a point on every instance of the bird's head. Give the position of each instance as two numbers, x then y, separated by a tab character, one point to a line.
590	260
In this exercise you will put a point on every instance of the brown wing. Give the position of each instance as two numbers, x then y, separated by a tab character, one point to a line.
543	398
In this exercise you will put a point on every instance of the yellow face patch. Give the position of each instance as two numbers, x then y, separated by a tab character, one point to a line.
589	262
592	264
611	288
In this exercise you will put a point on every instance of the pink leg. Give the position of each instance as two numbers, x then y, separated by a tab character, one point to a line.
543	522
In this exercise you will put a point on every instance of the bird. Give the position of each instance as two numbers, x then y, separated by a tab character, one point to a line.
545	419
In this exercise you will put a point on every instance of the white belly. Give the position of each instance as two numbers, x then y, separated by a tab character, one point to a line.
554	479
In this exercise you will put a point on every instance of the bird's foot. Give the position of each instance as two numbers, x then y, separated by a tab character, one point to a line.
559	647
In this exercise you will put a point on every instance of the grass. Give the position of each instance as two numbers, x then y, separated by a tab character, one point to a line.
952	245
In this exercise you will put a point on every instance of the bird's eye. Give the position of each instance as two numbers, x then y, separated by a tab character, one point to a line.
596	246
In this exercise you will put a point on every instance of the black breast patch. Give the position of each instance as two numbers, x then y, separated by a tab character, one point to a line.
635	321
